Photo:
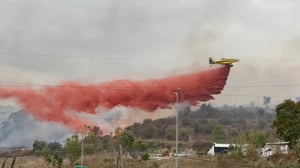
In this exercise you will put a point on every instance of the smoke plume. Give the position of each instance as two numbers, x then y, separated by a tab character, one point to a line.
21	129
63	103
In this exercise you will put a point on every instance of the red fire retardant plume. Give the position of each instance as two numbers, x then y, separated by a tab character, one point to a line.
61	103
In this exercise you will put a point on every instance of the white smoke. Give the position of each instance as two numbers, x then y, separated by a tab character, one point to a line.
21	129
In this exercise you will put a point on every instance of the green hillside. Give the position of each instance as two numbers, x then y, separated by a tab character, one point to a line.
196	127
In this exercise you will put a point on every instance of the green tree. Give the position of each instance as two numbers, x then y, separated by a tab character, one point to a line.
92	143
254	140
126	139
54	146
107	141
150	131
38	146
287	121
140	145
170	132
47	156
73	148
53	159
57	160
257	139
218	134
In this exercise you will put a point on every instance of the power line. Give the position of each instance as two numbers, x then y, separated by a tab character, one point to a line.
43	55
272	60
263	86
258	96
96	57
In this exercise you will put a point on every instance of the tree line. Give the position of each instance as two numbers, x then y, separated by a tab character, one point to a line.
251	125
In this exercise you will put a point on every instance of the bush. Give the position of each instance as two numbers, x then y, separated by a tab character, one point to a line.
145	156
296	150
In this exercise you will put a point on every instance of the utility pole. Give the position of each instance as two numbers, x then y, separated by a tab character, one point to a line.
177	95
121	155
85	126
82	149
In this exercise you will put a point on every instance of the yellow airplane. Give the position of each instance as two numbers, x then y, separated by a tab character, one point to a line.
223	61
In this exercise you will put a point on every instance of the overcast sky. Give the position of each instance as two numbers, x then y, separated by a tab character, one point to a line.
47	42
52	41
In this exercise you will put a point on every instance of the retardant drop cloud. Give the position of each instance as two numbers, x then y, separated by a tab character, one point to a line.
63	103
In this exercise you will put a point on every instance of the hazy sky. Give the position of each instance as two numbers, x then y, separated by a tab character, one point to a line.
46	42
52	41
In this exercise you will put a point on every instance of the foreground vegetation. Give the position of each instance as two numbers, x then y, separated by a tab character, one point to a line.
109	160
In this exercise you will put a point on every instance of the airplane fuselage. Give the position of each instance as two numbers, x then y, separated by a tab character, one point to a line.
223	61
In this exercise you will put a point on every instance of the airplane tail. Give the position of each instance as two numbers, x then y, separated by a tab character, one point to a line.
211	61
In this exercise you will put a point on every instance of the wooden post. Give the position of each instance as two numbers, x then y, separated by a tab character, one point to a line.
121	155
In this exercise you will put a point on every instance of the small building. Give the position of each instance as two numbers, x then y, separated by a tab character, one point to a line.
218	148
224	148
274	148
268	150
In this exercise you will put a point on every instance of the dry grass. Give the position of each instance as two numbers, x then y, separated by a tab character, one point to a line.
24	162
109	160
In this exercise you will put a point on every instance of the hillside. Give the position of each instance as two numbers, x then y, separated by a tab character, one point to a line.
196	126
154	136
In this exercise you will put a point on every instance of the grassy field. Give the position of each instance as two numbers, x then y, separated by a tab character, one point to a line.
109	160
